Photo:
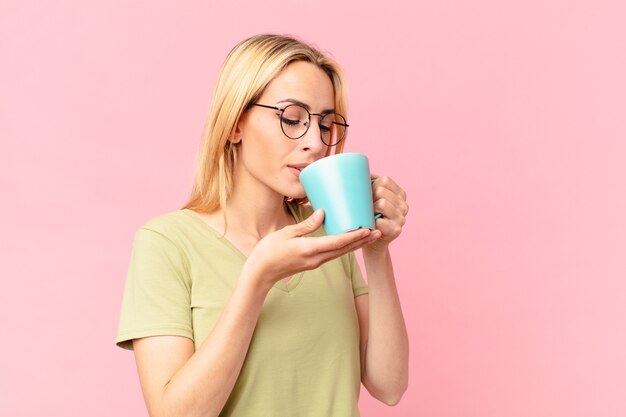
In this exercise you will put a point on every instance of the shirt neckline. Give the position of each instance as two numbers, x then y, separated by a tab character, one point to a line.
286	287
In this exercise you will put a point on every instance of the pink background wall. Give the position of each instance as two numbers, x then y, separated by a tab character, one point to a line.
504	121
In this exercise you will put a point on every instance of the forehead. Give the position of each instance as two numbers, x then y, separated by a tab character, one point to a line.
304	82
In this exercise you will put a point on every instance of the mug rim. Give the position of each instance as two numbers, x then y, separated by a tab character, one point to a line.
333	157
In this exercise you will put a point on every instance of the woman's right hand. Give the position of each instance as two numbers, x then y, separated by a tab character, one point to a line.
288	251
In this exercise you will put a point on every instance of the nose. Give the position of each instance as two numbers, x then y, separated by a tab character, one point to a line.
312	139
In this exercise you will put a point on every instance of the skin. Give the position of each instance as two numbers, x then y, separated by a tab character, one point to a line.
178	381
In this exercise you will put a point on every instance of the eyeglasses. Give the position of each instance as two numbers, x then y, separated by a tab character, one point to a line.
295	121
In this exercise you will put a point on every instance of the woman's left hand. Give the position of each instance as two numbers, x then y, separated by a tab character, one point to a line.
390	201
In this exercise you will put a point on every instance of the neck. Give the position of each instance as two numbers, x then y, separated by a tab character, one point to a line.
255	211
256	218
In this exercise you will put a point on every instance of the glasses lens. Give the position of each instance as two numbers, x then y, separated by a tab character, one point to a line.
294	121
332	128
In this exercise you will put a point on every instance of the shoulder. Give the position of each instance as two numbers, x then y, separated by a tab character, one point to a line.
173	229
167	223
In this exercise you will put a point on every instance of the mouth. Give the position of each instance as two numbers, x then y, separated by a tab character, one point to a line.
296	168
299	167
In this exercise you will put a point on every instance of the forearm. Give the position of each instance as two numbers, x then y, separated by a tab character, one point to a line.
387	351
202	386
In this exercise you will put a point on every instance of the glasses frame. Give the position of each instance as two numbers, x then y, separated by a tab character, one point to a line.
321	115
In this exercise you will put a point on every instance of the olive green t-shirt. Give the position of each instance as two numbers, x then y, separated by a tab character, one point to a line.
303	358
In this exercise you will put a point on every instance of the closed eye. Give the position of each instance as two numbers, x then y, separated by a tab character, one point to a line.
291	122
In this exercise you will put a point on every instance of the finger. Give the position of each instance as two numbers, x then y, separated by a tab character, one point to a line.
381	193
327	243
391	213
386	207
308	225
330	255
387	182
316	257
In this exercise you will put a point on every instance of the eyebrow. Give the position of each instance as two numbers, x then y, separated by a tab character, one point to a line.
306	106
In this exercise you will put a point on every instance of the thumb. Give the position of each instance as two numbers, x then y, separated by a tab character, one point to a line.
311	223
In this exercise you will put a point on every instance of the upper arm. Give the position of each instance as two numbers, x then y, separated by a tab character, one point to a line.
157	294
362	310
158	359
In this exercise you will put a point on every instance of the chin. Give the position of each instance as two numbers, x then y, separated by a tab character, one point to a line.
295	192
295	195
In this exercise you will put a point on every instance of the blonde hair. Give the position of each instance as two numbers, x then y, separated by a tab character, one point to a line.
248	69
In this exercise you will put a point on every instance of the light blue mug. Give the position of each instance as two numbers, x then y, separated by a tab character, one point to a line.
341	185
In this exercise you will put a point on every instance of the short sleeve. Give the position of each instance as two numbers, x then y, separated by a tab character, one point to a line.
359	287
157	294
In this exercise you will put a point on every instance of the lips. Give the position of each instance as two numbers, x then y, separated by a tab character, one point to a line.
299	167
296	168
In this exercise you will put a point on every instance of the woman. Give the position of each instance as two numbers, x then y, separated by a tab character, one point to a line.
238	304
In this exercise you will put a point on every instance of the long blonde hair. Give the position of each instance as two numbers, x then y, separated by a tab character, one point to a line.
248	69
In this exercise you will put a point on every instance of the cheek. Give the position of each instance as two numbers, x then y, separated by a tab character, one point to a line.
259	155
262	136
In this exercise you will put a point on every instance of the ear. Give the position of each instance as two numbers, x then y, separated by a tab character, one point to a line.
237	135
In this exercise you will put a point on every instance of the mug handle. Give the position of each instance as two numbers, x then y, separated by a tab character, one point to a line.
376	215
